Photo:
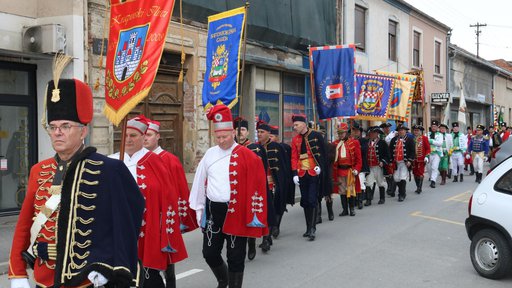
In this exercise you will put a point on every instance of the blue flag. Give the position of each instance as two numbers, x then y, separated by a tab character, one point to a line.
333	80
222	57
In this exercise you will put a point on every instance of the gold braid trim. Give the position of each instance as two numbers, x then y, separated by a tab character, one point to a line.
87	195
92	162
75	266
51	238
85	222
83	245
44	197
52	267
50	229
51	165
90	183
81	256
86	208
82	233
93	172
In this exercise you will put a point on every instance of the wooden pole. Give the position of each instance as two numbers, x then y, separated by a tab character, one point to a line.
123	138
242	76
312	79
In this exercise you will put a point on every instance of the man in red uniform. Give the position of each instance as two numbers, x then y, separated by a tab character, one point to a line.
160	240
422	149
378	158
229	195
78	207
347	164
187	216
308	162
504	134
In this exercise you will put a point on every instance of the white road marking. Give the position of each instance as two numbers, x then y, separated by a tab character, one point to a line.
418	214
188	273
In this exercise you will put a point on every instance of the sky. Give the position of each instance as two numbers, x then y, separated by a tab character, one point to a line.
495	38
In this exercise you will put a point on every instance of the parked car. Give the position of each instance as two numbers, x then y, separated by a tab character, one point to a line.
489	224
501	153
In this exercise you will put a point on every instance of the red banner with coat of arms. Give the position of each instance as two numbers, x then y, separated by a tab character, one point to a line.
138	29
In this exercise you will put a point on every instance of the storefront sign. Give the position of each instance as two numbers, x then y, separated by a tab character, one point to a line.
440	97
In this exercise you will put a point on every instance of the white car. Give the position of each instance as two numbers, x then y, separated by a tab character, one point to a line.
489	225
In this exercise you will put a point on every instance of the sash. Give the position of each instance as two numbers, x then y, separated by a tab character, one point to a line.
46	211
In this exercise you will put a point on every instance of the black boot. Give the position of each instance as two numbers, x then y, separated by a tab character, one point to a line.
351	205
359	199
308	221
417	181
221	273
251	245
455	178
393	188
432	184
479	177
275	229
401	190
319	213
476	178
449	173
170	277
382	195
368	196
344	205
389	180
265	245
420	181
472	169
328	203
236	279
312	228
461	177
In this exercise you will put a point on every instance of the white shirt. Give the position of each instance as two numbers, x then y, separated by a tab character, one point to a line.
131	162
214	168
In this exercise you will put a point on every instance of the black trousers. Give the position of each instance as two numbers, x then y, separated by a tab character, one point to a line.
152	278
309	186
213	240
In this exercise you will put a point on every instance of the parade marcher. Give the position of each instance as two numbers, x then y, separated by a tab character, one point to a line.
402	151
274	136
378	158
229	195
494	140
422	150
436	151
79	205
387	136
447	144
467	160
479	150
160	240
187	216
277	177
347	164
242	131
458	150
308	167
504	133
355	133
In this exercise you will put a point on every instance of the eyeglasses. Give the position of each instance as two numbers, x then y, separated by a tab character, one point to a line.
64	128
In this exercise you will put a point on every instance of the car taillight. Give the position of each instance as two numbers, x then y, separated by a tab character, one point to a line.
469	204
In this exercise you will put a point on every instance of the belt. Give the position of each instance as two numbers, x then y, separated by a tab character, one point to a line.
344	166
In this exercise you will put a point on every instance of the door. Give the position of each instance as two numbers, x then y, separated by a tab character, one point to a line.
164	103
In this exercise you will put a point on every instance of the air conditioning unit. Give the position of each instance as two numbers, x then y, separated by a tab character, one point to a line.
48	38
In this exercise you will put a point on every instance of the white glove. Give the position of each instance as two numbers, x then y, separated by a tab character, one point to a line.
199	215
485	158
20	283
426	160
97	279
317	170
468	156
296	180
355	172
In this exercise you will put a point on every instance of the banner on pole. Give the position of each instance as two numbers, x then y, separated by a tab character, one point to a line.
401	100
333	80
137	35
223	47
373	96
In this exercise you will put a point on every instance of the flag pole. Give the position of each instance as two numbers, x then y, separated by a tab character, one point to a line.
123	138
244	48
312	79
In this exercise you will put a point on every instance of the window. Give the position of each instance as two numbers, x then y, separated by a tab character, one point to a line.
416	49
392	40
504	184
437	57
360	28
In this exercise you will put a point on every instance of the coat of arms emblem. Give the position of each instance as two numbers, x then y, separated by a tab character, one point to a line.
370	96
129	51
219	68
